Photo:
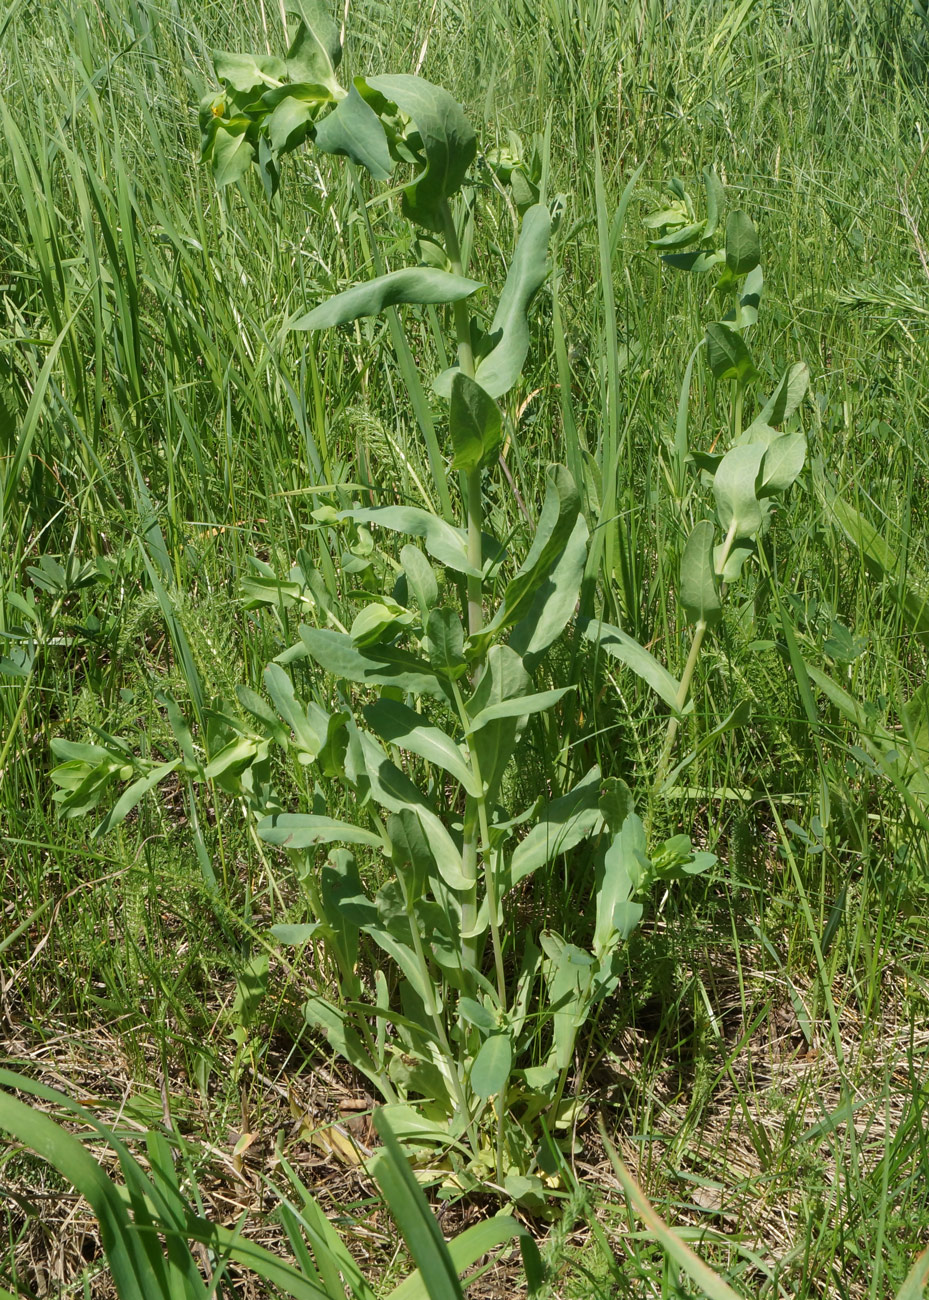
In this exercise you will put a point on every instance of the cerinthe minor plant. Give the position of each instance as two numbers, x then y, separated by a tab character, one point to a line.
474	1017
754	467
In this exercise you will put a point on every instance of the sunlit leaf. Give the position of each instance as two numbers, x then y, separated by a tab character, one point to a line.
699	594
415	284
743	252
448	142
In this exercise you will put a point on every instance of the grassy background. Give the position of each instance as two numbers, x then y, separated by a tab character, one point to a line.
158	428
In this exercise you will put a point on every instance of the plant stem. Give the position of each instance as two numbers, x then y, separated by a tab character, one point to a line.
408	370
684	689
462	319
473	485
432	1010
475	554
674	721
489	883
475	601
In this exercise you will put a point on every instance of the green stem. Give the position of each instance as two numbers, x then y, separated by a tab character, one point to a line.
473	486
475	554
432	1011
470	947
475	600
684	689
408	371
489	883
462	319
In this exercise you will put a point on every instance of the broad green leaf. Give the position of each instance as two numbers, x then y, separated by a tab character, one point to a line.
292	936
750	298
305	830
355	131
562	825
381	666
410	852
735	487
680	238
782	403
556	524
727	355
696	261
445	543
407	729
474	424
675	216
521	706
316	46
250	700
616	802
414	1129
743	252
247	72
269	169
251	988
676	860
290	122
782	463
621	646
133	794
75	751
503	680
915	718
554	602
308	726
395	791
500	369
232	758
681	422
414	284
410	968
624	867
728	568
83	787
475	1013
233	152
379	620
444	642
568	973
699	594
339	882
448	142
420	577
492	1065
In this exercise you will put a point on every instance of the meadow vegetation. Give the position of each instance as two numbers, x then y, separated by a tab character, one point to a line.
464	620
